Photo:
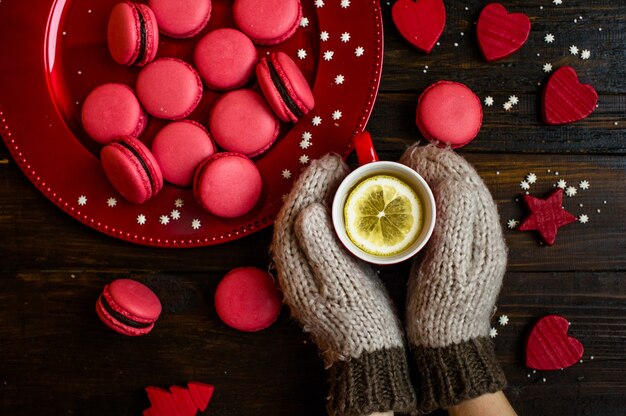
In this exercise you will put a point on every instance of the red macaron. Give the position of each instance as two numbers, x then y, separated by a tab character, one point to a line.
181	18
268	22
284	86
247	299
133	34
227	185
111	111
128	307
132	169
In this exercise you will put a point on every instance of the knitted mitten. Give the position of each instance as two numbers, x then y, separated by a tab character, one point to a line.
340	301
453	290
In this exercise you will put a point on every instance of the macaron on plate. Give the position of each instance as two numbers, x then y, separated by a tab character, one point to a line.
343	77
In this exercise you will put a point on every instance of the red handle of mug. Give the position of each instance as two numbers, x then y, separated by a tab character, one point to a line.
364	146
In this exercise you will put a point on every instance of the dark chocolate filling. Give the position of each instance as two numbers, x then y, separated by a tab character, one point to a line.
142	41
120	317
284	94
143	163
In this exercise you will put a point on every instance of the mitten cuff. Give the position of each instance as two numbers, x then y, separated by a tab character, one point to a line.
449	375
374	382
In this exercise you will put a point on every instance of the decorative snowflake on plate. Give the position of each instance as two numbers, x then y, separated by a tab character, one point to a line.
307	135
305	144
337	115
328	55
345	4
175	214
503	320
164	219
489	101
512	224
547	67
573	50
584	185
561	183
111	202
507	106
583	219
585	54
141	219
524	185
531	178
304	159
324	36
513	99
557	2
301	53
319	3
304	22
345	37
82	200
571	191
286	173
339	79
196	224
549	38
179	202
493	332
316	121
359	51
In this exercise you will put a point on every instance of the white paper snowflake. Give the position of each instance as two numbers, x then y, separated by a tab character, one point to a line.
337	115
583	218
557	2
573	50
489	101
307	135
164	219
584	185
585	54
524	185
316	121
345	4
549	38
547	67
301	53
513	99
561	184
324	36
339	79
328	55
531	178
196	224
345	37
493	332
512	224
571	191
507	106
286	173
179	203
82	200
304	159
141	219
319	3
305	144
175	214
111	202
359	51
503	320
304	22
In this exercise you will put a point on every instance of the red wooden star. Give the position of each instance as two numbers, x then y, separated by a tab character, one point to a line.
546	215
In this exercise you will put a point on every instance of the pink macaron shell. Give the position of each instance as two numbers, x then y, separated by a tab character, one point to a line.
271	93
133	301
247	299
124	34
179	148
169	88
126	172
267	22
449	113
181	18
241	121
225	59
111	111
227	185
152	34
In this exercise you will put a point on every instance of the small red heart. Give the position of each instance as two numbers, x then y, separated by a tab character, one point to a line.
549	347
501	34
420	23
566	100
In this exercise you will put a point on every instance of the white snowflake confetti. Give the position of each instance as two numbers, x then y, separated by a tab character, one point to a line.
584	185
175	214
304	22
531	178
82	200
328	55
307	135
493	332
571	191
585	54
196	224
316	121
359	51
164	219
324	36
547	67
320	3
513	99
345	37
179	203
489	101
141	219
111	202
305	144
561	184
573	50
339	79
503	320
507	106
304	159
557	2
301	53
583	219
345	4
337	115
524	185
549	38
512	224
286	173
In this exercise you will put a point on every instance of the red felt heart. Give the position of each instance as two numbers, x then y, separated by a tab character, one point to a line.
549	347
566	100
420	23
499	33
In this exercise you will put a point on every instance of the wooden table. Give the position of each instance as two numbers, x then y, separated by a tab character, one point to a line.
58	359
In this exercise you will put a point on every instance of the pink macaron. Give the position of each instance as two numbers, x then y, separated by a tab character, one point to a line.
227	185
179	148
241	121
247	299
267	22
128	307
133	34
284	86
111	111
225	59
449	113
181	18
132	169
169	88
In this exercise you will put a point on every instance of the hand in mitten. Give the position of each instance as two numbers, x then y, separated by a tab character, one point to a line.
453	290
339	301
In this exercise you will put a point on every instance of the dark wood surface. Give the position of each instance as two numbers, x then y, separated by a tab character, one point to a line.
58	359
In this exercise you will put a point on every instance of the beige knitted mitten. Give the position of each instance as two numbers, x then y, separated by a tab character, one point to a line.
453	290
340	301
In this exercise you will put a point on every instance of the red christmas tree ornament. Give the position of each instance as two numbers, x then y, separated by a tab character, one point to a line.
500	33
179	401
549	347
565	99
420	22
546	215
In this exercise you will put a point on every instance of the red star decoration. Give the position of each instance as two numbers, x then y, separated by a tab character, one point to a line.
546	215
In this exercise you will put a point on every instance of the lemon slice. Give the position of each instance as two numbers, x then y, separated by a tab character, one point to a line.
383	215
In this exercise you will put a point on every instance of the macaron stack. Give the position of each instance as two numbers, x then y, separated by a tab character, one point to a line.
243	123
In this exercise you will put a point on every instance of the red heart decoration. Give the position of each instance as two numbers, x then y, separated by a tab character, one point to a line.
549	347
420	23
566	100
501	34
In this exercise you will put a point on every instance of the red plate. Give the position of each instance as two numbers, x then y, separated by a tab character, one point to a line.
54	53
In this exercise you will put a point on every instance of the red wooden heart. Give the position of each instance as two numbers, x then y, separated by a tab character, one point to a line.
420	23
549	347
499	33
566	100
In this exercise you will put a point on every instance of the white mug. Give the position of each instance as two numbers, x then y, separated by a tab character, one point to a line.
370	166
